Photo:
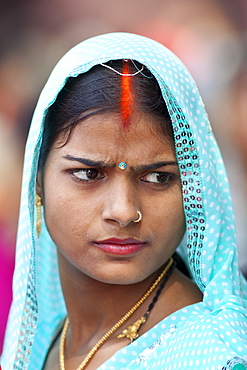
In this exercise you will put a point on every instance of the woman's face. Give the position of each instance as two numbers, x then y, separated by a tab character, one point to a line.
90	203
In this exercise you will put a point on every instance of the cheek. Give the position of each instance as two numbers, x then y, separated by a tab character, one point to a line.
168	207
57	219
59	209
69	213
169	219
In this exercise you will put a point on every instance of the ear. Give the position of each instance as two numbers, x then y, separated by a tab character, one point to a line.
39	184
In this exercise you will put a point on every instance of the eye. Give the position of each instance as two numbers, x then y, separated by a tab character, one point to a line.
87	174
157	177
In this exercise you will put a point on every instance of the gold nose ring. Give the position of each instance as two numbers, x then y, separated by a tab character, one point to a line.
139	217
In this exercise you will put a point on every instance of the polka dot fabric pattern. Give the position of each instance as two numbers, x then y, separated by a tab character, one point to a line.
206	336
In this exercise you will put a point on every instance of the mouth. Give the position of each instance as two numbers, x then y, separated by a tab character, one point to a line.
120	246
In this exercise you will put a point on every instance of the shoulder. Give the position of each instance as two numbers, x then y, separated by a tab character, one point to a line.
51	362
181	292
196	338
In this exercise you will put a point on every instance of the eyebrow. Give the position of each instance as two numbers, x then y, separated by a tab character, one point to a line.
102	164
153	166
89	162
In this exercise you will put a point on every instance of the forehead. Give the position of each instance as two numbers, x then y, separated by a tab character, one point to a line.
104	135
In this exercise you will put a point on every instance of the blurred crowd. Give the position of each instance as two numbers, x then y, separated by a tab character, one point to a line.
209	36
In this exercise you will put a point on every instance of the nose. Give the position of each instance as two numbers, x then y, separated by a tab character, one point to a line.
121	205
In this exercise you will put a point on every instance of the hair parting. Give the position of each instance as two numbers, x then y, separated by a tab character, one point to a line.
126	95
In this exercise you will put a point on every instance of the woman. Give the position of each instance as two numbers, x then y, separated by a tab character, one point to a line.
127	178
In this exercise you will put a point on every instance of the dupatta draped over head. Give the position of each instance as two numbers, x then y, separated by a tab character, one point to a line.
208	335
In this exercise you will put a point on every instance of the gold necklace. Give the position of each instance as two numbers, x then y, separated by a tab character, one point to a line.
130	332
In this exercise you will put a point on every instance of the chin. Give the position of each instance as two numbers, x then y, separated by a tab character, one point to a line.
121	274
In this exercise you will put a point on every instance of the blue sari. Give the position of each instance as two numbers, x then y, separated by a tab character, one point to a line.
208	335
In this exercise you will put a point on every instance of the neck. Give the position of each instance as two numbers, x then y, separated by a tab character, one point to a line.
93	307
131	332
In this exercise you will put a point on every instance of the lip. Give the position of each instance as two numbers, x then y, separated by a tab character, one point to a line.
120	246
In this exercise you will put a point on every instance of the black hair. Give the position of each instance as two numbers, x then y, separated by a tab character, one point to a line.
98	91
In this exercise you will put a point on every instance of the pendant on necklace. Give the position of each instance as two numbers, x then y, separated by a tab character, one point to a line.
132	331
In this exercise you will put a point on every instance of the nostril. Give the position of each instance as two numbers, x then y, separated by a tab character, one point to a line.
122	218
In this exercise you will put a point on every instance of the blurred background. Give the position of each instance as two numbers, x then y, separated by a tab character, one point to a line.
209	36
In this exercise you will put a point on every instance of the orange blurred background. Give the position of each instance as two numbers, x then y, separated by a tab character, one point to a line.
209	36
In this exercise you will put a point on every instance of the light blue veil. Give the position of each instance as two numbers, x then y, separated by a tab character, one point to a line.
209	246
